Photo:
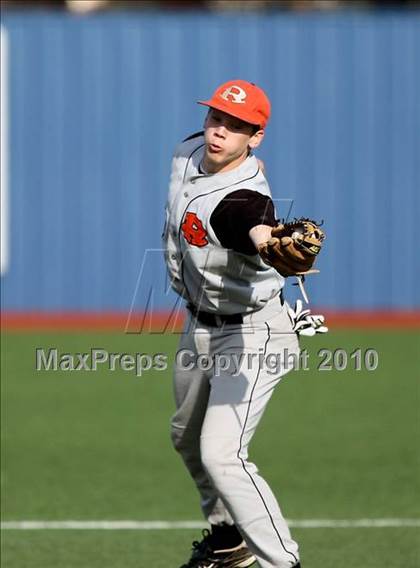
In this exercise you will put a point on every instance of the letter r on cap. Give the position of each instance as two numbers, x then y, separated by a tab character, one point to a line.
235	94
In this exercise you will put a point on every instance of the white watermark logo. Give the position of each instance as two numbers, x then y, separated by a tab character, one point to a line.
98	358
232	364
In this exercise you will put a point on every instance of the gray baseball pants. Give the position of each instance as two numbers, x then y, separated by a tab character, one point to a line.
218	411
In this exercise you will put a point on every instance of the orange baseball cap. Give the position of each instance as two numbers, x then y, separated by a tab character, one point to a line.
243	100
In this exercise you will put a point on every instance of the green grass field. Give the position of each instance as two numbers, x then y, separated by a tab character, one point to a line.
95	446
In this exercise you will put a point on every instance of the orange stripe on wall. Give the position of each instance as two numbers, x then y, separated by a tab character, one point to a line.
398	319
167	322
90	321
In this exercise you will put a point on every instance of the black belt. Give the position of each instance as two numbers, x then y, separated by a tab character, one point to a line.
218	320
215	320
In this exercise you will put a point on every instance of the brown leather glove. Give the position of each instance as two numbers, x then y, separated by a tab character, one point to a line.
293	247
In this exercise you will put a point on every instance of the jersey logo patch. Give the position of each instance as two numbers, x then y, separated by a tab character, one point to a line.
193	230
234	94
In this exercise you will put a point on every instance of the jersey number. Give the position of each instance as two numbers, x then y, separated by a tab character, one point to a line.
193	230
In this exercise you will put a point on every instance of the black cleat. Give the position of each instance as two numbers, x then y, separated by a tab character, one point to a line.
204	555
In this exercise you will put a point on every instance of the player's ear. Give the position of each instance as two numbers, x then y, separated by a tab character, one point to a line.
256	139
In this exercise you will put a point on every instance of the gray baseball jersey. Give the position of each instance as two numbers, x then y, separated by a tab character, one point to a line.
201	269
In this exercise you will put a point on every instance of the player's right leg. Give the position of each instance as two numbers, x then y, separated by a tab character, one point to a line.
223	545
191	390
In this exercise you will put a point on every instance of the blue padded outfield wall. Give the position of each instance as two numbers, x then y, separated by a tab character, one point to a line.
96	105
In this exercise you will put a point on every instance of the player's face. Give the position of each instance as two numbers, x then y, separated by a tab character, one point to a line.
228	140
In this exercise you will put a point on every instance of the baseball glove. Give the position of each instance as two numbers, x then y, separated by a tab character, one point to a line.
293	246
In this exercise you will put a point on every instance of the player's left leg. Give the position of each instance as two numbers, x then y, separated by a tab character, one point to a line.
235	408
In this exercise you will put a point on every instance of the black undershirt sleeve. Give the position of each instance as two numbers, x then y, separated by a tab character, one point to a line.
236	214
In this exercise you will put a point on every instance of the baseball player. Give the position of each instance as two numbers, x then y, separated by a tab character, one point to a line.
225	261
